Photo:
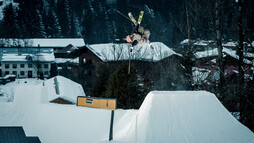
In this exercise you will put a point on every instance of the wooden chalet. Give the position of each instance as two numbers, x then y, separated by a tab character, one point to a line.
145	59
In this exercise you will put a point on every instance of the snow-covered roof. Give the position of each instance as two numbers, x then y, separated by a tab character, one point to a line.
249	55
198	42
67	49
199	75
234	44
68	89
214	52
67	60
41	57
116	52
212	42
230	44
42	42
6	50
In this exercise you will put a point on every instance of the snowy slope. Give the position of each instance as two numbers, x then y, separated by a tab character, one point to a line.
184	117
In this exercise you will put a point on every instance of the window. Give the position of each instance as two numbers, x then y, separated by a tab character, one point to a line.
39	66
7	72
22	65
22	73
14	66
14	72
0	64
7	66
30	66
46	66
90	101
84	61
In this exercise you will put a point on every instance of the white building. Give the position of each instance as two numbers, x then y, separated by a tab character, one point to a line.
32	57
25	62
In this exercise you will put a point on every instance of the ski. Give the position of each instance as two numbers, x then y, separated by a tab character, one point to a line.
140	17
132	18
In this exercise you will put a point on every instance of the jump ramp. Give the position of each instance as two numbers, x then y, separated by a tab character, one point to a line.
184	117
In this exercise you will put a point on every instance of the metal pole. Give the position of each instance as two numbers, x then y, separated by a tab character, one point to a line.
111	126
129	67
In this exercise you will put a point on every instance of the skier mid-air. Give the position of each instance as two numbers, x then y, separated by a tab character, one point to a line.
140	35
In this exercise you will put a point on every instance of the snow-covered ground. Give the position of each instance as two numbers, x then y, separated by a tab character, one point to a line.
7	91
179	117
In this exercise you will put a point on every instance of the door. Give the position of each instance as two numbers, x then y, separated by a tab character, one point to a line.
30	74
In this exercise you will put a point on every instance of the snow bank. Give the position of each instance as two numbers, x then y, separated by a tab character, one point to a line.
185	117
68	89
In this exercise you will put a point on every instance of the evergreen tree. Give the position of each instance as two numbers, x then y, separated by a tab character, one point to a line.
37	29
10	28
125	87
75	31
88	23
53	28
101	81
63	12
247	114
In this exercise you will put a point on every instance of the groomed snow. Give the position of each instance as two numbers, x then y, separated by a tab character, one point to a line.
165	116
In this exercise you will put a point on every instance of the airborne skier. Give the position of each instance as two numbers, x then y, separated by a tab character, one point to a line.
140	35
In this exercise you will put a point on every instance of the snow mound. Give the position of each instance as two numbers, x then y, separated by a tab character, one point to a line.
185	117
68	89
